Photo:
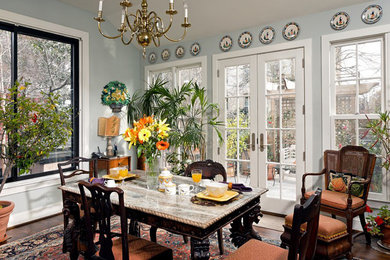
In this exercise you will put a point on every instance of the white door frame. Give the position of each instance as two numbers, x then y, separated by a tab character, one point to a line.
306	44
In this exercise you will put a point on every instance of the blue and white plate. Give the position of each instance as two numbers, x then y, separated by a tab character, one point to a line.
339	21
372	14
152	57
165	54
226	43
195	49
245	40
267	35
290	31
179	52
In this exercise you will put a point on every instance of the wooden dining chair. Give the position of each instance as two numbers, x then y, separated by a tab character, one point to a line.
71	210
114	245
303	245
210	169
357	162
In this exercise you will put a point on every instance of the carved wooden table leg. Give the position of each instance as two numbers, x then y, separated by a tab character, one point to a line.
200	249
134	228
242	228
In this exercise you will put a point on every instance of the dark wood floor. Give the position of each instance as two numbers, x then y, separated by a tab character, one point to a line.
360	249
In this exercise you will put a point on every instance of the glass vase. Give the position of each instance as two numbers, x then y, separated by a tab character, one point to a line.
152	169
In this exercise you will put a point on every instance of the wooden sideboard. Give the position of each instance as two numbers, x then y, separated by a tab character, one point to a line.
112	162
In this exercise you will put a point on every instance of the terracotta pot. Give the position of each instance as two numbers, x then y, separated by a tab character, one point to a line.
386	235
8	207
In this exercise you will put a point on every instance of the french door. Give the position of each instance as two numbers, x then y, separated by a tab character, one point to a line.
262	100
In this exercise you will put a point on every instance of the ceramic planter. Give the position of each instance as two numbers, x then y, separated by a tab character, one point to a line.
5	212
386	236
116	108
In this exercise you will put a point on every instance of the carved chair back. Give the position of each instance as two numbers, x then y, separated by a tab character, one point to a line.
305	242
103	210
74	163
350	159
209	168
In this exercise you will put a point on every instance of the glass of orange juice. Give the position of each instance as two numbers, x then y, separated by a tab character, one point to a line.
196	175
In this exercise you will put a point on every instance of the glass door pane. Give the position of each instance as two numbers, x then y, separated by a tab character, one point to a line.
237	123
280	129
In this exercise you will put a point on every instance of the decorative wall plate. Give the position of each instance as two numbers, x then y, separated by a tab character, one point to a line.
165	54
267	35
195	49
179	52
152	57
339	21
290	31
245	40
372	14
226	43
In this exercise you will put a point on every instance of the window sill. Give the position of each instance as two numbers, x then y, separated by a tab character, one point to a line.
33	184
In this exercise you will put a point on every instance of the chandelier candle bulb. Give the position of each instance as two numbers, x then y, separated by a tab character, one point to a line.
186	12
171	1
100	5
123	16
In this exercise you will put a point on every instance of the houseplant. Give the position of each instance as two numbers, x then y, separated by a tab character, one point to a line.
189	115
115	95
379	225
30	128
149	135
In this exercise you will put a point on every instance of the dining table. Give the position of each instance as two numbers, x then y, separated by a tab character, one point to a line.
183	214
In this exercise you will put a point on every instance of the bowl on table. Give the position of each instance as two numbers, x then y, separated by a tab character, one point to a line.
216	189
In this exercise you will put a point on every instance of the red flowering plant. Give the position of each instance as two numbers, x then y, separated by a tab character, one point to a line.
376	223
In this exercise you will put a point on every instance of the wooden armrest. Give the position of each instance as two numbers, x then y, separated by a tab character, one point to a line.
349	200
303	190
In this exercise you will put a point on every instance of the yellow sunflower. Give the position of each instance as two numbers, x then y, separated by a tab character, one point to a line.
144	135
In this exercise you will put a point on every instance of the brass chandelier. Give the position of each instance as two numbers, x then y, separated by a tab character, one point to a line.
145	26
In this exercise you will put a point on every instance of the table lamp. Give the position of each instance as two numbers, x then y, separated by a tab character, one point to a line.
109	127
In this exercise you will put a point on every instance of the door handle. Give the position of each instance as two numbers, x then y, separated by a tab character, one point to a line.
261	142
253	142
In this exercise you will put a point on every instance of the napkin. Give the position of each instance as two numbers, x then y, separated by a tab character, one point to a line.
238	186
96	180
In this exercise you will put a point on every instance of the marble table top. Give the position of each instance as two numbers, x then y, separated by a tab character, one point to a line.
175	207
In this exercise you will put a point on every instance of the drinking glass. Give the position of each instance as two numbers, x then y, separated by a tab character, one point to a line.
196	175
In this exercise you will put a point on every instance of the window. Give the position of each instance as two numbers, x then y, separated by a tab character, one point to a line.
357	80
50	63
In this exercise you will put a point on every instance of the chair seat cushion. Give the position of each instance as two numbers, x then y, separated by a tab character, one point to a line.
328	228
141	249
337	199
255	249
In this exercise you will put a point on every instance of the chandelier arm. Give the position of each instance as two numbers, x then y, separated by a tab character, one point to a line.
178	40
157	44
128	42
168	28
128	21
129	24
109	37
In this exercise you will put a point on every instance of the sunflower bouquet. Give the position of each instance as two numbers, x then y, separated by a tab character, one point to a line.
149	135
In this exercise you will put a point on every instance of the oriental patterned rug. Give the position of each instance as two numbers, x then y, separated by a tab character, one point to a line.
47	244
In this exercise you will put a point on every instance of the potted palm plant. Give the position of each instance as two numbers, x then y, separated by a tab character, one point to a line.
189	115
29	131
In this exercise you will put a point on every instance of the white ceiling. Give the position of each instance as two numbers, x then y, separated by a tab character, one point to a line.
213	17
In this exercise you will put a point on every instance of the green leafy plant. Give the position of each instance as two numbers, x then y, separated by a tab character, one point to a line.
189	114
380	130
115	92
30	129
375	224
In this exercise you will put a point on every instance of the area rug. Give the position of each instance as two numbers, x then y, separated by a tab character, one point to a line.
47	244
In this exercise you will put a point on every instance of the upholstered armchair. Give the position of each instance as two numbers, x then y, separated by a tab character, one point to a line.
359	164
